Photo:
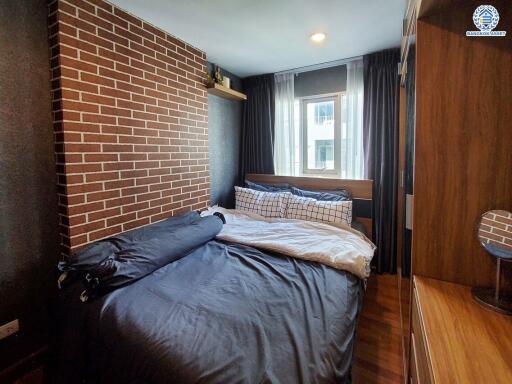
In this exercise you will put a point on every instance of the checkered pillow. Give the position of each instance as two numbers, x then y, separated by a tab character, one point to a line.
306	208
268	204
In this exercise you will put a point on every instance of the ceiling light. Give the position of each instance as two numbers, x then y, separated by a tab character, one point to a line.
317	37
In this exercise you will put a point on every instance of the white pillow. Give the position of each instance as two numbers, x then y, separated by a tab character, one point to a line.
306	208
267	204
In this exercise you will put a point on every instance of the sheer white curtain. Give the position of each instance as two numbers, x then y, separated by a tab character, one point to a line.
284	142
352	135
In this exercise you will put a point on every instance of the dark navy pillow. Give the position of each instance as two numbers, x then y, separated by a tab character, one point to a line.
98	251
268	187
336	195
141	257
129	256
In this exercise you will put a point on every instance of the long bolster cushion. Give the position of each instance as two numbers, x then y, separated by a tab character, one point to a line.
98	251
130	256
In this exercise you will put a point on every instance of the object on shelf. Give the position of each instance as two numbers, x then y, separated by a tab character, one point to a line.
226	81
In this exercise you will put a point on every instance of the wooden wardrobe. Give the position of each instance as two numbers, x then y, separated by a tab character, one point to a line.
462	148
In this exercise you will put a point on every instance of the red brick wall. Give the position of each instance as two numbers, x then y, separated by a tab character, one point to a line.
130	121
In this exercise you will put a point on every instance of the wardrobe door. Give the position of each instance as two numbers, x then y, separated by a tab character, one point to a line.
408	178
405	191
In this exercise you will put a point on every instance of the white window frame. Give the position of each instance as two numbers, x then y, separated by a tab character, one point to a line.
303	101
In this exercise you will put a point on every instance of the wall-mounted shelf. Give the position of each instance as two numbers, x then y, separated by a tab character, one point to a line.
228	93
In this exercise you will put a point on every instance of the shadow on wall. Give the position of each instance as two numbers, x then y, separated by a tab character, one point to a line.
28	206
224	127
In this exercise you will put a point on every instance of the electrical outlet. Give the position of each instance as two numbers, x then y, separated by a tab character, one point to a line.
9	328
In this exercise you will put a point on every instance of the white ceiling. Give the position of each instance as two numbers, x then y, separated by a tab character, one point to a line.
249	37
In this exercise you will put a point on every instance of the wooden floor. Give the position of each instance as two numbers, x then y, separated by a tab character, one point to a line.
378	350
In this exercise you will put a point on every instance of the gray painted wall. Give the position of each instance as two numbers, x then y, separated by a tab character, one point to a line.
28	207
224	127
321	81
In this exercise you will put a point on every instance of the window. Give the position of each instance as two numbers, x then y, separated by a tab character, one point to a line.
320	135
320	130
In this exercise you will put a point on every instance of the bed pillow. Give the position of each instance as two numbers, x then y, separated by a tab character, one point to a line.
334	195
96	252
140	258
135	254
267	204
306	208
282	187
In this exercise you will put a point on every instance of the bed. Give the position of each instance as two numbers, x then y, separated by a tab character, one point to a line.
221	311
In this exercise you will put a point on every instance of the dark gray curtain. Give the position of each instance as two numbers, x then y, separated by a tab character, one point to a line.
257	149
380	141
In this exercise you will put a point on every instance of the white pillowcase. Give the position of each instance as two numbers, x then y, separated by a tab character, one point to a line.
306	208
267	204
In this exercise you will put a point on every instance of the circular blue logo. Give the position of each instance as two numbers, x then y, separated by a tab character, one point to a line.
486	18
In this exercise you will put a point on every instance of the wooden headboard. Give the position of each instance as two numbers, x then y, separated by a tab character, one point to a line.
361	190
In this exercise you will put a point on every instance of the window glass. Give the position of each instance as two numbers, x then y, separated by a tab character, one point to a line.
320	134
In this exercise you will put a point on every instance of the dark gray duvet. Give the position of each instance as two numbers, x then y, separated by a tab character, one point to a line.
222	314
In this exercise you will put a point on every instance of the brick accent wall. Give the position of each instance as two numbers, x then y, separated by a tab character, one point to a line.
130	121
496	228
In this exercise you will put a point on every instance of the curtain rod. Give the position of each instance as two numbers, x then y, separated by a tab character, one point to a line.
314	67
